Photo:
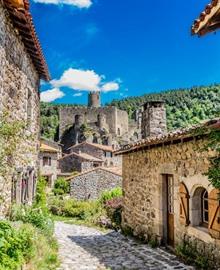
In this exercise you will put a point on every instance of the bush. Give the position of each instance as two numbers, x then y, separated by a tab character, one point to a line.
110	194
72	208
35	216
41	195
61	187
114	210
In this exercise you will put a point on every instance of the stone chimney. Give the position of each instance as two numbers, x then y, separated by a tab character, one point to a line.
153	119
94	99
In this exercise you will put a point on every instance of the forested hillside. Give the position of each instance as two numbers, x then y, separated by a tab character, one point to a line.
184	107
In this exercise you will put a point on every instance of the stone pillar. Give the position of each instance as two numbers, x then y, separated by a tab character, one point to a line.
153	119
94	99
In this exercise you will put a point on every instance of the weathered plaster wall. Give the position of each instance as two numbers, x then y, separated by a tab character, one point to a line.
18	79
143	190
90	185
52	170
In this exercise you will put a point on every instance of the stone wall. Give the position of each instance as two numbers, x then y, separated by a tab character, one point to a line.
72	163
90	185
114	118
145	197
19	84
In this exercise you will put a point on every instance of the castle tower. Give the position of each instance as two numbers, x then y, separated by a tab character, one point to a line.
94	99
153	119
101	120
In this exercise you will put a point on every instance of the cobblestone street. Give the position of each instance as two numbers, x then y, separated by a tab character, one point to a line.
83	248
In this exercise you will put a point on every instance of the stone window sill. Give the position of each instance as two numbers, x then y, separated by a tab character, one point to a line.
200	232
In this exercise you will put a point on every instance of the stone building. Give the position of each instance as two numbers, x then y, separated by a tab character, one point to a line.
94	124
166	194
90	184
85	156
50	152
78	162
22	66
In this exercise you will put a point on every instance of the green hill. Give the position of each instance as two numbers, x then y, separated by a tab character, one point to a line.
184	107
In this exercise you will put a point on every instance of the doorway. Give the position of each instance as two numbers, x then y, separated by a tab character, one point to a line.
168	200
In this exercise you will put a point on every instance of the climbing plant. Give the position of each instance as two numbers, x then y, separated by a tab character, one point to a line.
214	169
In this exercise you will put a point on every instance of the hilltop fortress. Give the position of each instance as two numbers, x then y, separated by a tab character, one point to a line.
96	124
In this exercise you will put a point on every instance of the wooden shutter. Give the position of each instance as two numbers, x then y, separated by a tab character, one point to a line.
214	213
184	204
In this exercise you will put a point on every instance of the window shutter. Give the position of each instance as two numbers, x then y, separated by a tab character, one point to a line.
214	213
184	204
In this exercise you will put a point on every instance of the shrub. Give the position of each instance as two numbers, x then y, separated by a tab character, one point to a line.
190	254
35	216
110	194
61	187
114	209
72	208
41	196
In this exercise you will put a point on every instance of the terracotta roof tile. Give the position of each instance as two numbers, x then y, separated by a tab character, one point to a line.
83	156
174	135
114	170
209	19
100	146
47	148
23	22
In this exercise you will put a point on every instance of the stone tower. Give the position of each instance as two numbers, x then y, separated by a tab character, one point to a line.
153	119
94	99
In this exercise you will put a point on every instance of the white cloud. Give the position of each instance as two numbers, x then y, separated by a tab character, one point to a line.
51	95
77	95
78	79
84	80
76	3
110	86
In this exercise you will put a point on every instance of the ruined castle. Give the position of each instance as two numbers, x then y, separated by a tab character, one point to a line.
94	123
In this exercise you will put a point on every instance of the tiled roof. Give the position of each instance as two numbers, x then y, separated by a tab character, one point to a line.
169	137
23	22
83	156
209	19
100	146
114	170
46	148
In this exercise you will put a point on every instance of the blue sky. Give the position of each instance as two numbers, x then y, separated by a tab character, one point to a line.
123	48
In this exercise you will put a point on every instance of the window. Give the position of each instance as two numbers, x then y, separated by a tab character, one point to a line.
46	161
200	208
29	106
205	208
108	154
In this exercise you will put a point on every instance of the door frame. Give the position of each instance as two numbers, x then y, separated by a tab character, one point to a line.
165	209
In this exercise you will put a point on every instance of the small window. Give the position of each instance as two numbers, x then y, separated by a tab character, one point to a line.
108	154
29	106
46	161
95	165
205	208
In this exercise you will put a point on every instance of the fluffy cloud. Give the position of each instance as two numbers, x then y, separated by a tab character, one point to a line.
84	80
110	86
79	80
51	95
76	3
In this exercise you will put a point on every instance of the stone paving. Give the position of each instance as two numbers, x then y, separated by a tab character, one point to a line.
83	248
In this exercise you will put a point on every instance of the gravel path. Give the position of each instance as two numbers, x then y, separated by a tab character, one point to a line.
83	248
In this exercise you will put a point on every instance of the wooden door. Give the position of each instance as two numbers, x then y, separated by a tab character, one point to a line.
170	210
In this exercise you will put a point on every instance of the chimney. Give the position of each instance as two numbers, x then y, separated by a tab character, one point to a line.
153	119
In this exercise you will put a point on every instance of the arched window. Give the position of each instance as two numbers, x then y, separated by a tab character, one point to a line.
205	208
200	208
